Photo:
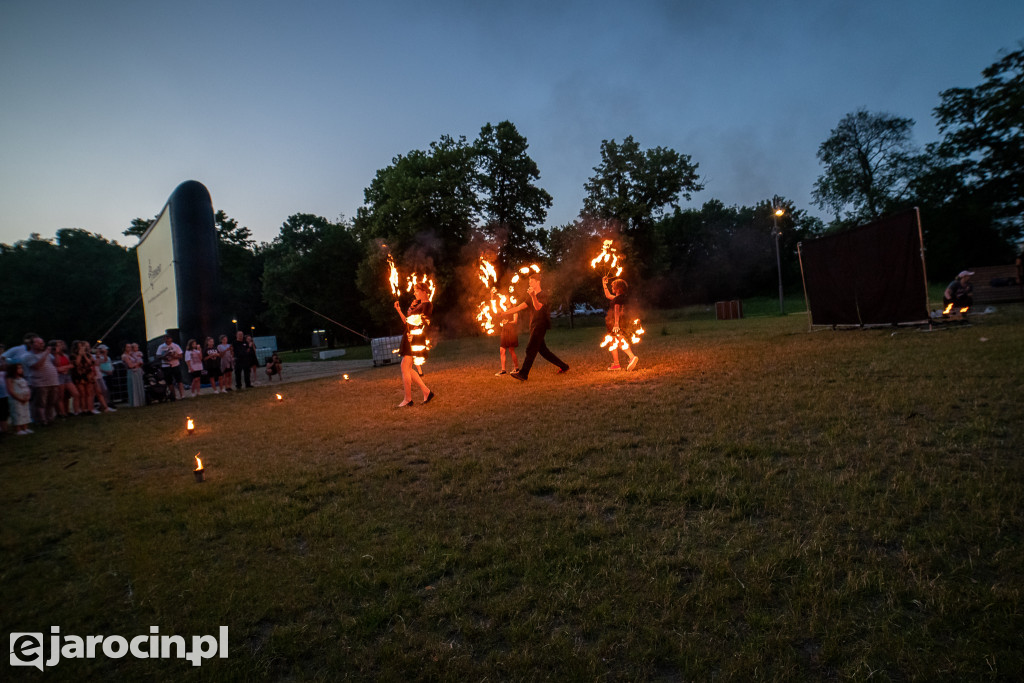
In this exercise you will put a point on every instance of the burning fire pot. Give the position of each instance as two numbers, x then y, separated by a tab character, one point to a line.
199	471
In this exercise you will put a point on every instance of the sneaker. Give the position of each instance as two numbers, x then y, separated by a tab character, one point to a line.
632	363
111	409
95	412
615	367
516	375
500	373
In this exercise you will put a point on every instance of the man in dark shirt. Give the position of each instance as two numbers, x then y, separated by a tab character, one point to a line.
540	323
240	351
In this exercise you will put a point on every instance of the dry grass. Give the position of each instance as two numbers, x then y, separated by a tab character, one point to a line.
754	502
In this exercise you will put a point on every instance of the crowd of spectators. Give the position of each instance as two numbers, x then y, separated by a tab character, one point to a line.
43	381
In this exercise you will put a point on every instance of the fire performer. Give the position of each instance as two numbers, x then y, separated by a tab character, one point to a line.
960	291
618	294
509	342
540	323
416	319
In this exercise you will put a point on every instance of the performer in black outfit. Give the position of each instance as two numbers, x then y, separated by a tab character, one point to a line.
416	319
540	323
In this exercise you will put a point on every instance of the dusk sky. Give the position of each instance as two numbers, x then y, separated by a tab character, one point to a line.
281	108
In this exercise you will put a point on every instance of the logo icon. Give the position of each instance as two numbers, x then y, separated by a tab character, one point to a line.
27	650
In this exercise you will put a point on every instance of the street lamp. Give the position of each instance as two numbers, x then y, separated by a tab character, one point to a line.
776	214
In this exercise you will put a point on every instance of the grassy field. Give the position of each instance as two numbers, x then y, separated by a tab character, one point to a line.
756	502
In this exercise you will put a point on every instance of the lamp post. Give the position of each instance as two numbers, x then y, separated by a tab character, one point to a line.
776	214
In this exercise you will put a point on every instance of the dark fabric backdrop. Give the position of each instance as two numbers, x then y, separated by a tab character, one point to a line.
870	275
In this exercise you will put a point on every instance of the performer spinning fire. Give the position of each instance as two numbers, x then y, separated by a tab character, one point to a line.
416	319
615	320
540	323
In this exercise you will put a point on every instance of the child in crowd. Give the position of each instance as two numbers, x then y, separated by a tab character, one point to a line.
68	391
509	341
18	395
194	361
226	363
616	319
211	363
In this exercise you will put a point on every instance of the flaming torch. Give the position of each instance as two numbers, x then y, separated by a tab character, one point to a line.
610	256
393	277
199	471
190	426
487	310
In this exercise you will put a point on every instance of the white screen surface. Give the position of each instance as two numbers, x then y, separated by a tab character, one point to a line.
156	273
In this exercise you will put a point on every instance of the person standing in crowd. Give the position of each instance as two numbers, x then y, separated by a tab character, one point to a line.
211	364
83	372
194	363
540	323
227	363
254	359
44	382
67	391
616	319
18	396
105	369
169	354
136	385
5	409
421	306
960	292
18	354
240	352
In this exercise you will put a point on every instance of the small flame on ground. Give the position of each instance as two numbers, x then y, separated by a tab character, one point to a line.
199	462
279	397
189	425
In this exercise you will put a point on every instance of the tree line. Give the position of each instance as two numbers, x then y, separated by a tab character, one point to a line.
437	210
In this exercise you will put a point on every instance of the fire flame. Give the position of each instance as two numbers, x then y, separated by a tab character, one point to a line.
487	310
190	426
199	462
947	309
413	281
393	276
609	256
279	397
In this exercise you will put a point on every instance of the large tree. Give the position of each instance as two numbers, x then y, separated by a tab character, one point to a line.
632	188
510	201
983	142
870	163
309	277
424	206
77	286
